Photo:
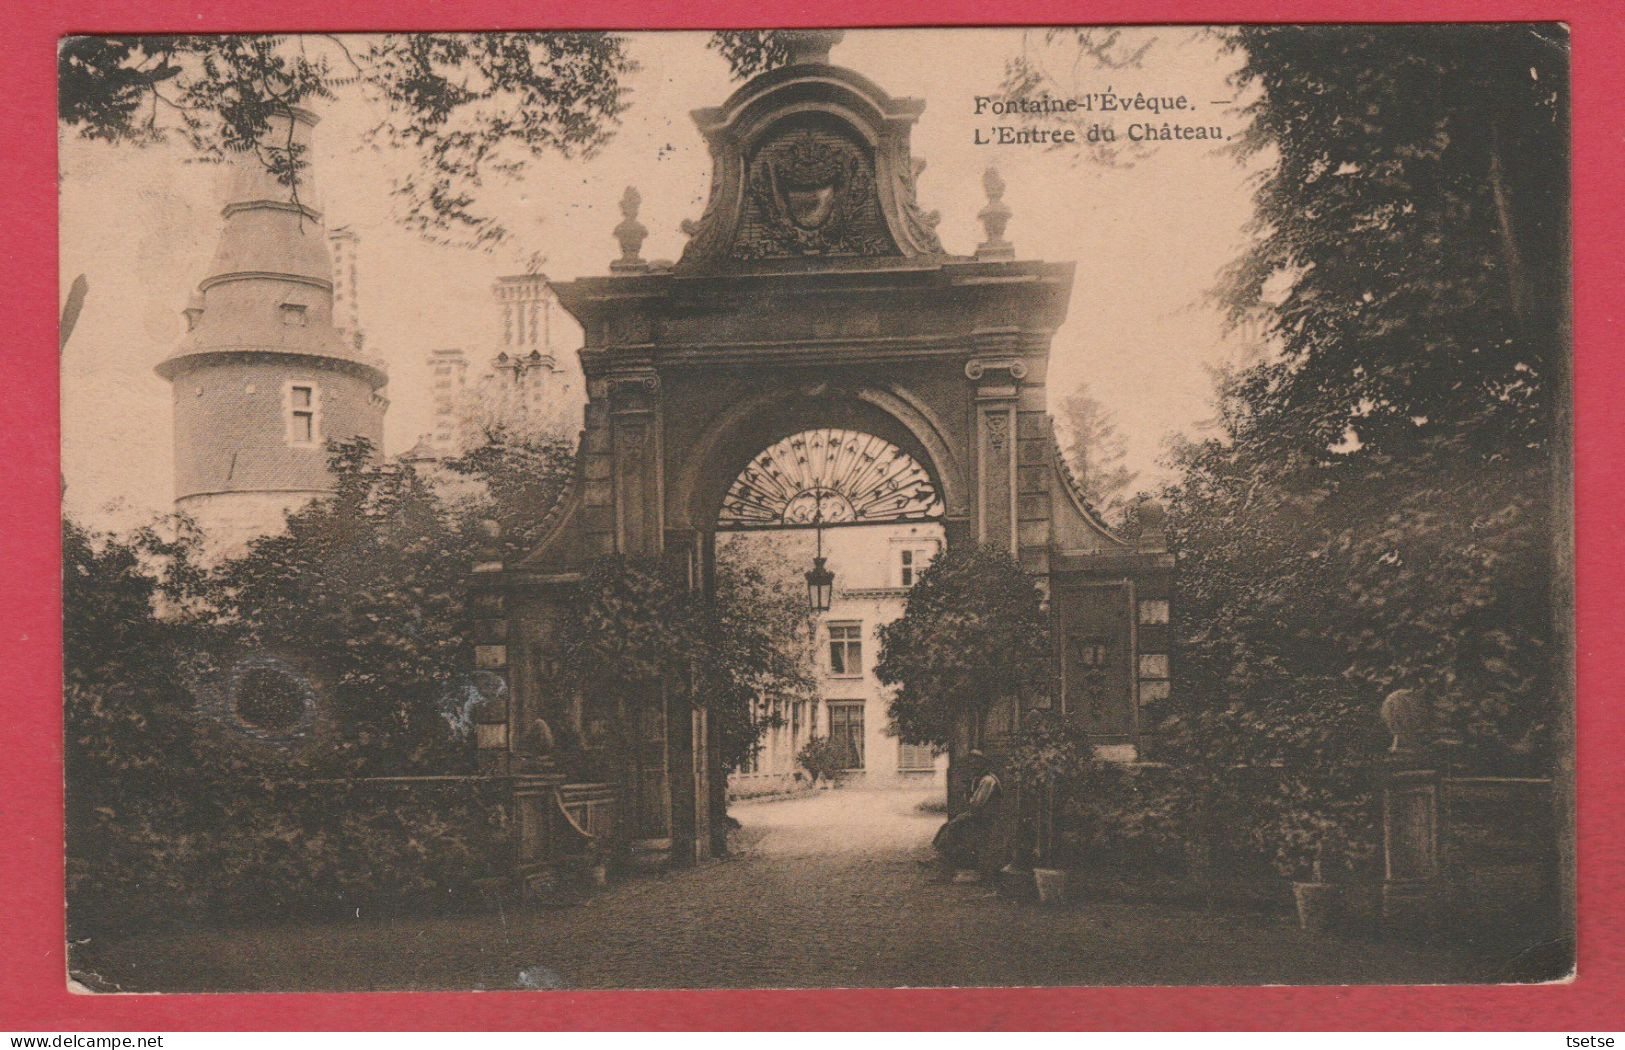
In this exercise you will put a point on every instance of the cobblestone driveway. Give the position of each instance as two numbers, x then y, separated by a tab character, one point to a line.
824	891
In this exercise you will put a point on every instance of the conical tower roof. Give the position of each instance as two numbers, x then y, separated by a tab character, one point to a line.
269	288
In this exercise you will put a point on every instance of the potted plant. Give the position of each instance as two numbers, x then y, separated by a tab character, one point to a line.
1050	759
823	759
1310	856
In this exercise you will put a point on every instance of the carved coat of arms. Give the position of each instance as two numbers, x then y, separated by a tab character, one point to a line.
812	194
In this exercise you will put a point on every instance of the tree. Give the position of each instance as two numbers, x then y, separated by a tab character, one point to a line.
1095	452
744	652
1422	245
1376	512
518	477
128	741
371	586
466	105
759	647
973	632
750	51
186	687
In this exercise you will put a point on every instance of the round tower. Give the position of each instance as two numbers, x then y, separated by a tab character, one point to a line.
264	378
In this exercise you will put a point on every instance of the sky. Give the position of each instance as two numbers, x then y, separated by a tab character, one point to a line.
1149	238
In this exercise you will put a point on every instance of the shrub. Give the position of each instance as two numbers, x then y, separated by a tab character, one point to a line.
973	632
822	758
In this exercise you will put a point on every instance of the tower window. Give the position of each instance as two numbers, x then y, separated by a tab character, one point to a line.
293	315
304	427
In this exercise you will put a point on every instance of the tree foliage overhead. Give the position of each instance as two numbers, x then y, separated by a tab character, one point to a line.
465	106
974	632
750	51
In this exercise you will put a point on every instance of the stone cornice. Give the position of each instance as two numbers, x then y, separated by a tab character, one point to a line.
323	283
186	361
812	278
800	351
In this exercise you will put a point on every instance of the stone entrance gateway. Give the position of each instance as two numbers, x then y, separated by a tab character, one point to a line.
813	293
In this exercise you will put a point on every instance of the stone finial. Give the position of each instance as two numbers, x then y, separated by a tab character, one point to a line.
994	218
488	557
810	45
1406	714
631	233
1153	526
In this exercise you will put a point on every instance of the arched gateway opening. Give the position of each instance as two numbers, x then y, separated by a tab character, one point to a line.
815	351
858	519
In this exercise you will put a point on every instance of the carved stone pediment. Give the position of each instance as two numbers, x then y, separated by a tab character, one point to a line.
809	161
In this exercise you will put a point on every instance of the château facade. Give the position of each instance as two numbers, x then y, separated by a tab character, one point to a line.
874	568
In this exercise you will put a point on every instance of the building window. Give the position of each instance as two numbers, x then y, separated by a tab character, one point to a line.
303	428
846	729
1154	665
293	315
914	758
1154	610
908	568
846	649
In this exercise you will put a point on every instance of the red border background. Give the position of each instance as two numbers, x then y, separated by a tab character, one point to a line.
32	984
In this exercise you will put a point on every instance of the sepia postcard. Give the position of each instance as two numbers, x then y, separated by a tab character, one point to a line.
817	509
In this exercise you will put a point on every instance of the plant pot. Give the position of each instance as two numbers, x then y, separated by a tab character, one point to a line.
1319	905
1050	884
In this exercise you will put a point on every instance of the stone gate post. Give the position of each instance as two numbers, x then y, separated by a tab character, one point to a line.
1412	889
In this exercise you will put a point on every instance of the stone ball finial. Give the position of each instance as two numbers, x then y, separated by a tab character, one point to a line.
810	45
630	233
994	218
1407	715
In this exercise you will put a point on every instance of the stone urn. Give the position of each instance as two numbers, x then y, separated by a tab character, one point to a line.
1409	718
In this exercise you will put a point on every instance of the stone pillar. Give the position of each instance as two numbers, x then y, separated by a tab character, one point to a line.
635	453
494	714
1412	885
997	381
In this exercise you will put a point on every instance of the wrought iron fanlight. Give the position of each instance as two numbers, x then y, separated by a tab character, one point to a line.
829	477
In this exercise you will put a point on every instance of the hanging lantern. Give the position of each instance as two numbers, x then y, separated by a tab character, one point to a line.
820	586
820	581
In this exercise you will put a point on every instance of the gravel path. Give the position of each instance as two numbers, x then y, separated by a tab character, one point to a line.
823	891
